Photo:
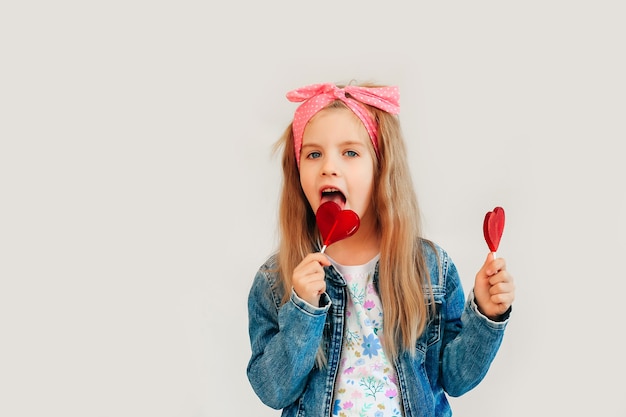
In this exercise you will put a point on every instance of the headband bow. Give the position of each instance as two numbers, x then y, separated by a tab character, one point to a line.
318	96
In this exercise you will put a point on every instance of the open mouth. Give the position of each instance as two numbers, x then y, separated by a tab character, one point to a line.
335	195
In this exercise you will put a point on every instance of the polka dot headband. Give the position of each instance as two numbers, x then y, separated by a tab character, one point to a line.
318	96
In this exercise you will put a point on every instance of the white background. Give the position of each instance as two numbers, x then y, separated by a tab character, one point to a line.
138	191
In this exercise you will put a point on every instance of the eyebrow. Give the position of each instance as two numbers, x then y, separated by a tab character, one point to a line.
341	144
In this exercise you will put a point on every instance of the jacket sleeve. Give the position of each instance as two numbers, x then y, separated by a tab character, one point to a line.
284	342
470	339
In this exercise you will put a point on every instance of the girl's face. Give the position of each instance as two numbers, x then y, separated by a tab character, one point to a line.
336	162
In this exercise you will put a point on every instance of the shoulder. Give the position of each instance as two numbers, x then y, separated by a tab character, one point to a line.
270	264
438	262
266	281
268	271
434	255
432	251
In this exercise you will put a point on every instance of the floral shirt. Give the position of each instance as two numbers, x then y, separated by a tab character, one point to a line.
367	384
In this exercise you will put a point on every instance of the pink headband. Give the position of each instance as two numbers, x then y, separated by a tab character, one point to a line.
318	96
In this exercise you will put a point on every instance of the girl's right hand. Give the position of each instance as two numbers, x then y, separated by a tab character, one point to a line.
308	278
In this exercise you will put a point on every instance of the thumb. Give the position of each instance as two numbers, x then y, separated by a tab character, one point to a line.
488	260
481	282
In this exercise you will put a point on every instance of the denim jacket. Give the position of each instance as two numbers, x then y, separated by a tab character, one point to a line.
451	357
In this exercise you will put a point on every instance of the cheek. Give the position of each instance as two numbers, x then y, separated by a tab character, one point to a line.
367	187
366	177
308	186
304	180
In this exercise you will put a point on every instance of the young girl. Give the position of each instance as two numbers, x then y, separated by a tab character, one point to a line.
377	325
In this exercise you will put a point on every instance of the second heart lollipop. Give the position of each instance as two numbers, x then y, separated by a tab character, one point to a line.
493	226
335	224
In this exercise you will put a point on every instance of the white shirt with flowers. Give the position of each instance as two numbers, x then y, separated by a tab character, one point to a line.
367	384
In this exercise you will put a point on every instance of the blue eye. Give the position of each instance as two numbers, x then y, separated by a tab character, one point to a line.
351	154
314	155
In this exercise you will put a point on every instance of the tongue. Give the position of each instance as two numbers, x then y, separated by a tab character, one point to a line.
336	198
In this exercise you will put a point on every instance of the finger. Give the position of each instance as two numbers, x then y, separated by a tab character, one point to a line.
502	288
317	260
495	266
500	277
319	257
503	299
309	276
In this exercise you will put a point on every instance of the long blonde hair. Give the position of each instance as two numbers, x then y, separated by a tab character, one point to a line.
402	268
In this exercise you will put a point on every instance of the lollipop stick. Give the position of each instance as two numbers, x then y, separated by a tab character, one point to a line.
332	229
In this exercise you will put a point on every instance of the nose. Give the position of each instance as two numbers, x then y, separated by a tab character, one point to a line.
329	167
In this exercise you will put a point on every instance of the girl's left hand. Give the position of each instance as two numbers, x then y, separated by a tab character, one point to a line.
494	289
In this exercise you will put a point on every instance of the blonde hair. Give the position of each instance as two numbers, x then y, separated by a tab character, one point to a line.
402	268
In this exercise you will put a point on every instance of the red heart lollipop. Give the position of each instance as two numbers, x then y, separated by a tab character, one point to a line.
335	224
493	226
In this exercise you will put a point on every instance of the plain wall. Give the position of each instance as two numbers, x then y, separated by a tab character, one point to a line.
138	190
